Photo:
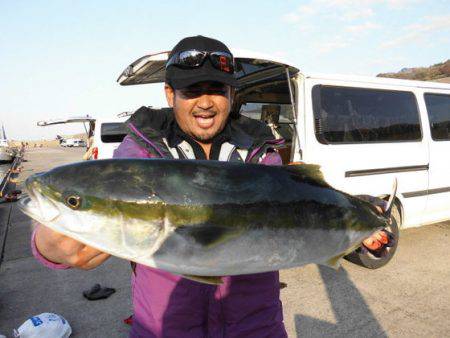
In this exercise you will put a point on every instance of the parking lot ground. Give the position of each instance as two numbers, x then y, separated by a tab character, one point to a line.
409	297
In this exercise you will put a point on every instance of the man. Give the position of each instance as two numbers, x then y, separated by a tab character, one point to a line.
199	87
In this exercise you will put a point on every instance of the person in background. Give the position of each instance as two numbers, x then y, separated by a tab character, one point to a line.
90	148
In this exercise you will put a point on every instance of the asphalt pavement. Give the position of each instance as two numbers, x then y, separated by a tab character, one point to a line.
407	298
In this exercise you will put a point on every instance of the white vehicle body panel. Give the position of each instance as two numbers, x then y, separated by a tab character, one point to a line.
438	200
105	149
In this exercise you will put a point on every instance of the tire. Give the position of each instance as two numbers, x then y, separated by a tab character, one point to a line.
367	259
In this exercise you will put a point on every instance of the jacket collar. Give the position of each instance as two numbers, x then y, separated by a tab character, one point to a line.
243	132
175	135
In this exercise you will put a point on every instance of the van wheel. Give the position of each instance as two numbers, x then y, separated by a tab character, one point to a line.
364	257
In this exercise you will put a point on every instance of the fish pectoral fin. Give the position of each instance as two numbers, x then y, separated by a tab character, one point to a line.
208	235
213	280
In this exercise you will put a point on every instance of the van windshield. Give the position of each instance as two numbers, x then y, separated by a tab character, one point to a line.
113	132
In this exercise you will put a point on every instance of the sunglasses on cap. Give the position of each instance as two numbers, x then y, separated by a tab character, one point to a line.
222	61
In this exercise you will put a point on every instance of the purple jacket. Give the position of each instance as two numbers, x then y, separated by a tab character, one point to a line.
167	305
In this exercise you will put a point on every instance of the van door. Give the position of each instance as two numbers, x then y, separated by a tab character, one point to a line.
364	135
437	104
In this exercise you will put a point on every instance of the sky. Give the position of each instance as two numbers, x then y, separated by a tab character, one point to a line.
62	58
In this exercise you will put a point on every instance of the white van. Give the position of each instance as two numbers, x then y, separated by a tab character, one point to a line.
79	143
107	135
74	142
363	131
103	135
367	131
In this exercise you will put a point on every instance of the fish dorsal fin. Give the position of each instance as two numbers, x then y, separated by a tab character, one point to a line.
310	172
213	280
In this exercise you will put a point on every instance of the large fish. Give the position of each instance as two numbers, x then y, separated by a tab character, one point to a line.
203	218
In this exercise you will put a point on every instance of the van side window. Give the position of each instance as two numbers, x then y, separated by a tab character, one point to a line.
360	115
438	107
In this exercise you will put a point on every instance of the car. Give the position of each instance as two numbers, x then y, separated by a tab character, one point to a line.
79	143
103	135
107	135
70	142
364	132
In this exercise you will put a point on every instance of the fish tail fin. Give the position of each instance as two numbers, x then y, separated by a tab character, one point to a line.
390	202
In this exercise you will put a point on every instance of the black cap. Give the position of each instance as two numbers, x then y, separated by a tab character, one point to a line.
179	78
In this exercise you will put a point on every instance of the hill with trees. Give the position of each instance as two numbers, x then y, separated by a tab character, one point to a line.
439	72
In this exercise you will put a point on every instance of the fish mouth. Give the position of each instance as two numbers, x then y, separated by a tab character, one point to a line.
27	206
39	207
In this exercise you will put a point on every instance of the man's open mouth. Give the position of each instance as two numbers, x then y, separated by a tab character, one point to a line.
205	121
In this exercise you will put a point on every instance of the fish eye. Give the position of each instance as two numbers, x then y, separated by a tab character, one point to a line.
73	201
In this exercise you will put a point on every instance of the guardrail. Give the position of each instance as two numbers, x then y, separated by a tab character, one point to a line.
4	190
12	170
4	228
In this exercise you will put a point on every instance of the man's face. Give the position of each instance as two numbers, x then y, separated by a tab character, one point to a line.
201	110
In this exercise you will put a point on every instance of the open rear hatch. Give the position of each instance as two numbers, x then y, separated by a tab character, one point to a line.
250	68
85	120
75	119
262	80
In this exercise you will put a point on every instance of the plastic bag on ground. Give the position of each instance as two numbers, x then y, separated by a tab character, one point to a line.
45	325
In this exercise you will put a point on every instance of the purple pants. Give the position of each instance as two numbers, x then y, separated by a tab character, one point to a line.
166	305
171	306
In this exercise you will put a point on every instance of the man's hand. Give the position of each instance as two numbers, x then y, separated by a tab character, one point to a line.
61	249
379	238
